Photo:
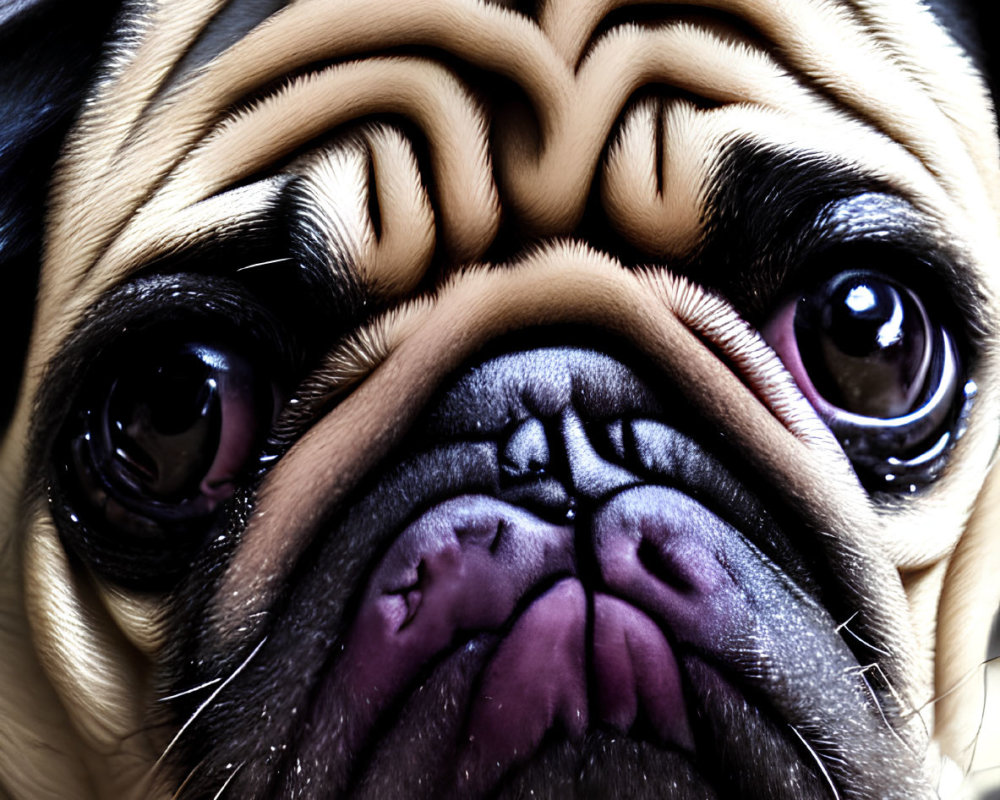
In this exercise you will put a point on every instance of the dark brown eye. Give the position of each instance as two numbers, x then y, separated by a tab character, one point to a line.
157	442
866	343
173	434
883	373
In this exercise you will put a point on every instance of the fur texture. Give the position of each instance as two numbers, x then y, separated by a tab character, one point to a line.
383	193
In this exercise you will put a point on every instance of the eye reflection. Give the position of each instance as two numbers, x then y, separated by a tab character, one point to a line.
880	371
866	343
163	443
164	426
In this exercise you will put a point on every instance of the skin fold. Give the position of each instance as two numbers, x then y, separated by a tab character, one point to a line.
418	402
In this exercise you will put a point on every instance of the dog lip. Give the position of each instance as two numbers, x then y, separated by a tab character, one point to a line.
573	654
474	563
459	449
510	567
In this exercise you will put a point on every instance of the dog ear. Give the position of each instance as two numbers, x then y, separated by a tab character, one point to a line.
983	19
48	50
972	24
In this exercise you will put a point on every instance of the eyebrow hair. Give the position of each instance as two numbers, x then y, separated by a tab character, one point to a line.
771	210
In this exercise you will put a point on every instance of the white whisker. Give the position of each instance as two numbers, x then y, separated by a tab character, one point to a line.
842	627
208	702
863	674
229	780
205	685
263	264
819	762
904	705
847	621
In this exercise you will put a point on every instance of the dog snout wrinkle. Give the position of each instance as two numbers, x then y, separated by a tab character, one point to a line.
526	453
589	474
630	609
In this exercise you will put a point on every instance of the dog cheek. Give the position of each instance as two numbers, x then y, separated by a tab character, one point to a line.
95	649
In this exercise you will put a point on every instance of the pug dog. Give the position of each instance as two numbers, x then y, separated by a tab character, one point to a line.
469	398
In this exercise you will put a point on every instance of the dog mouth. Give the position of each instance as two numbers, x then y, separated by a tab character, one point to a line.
561	587
492	612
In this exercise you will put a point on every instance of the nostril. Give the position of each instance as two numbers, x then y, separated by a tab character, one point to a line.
663	566
526	453
662	551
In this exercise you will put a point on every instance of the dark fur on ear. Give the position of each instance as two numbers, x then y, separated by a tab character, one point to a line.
48	49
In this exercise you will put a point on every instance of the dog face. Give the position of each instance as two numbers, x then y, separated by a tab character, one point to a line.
589	398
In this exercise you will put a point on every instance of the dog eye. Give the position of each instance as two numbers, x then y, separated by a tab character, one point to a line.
866	343
164	441
879	369
158	440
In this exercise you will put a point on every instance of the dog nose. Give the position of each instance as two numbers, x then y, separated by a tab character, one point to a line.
566	586
561	450
590	477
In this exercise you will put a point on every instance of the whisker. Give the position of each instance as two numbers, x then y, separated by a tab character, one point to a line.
205	685
863	674
847	621
187	780
974	746
229	780
208	702
959	683
819	762
900	702
263	264
843	627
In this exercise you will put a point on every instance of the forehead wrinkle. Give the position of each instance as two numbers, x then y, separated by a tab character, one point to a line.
422	91
655	175
330	201
533	67
854	52
370	172
117	165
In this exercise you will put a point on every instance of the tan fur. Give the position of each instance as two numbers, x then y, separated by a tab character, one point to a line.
149	170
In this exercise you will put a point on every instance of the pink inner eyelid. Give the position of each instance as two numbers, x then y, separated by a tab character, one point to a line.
779	332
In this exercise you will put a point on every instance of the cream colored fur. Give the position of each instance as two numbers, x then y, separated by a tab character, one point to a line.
150	167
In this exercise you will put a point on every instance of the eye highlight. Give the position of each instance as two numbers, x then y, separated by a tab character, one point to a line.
156	442
881	371
866	343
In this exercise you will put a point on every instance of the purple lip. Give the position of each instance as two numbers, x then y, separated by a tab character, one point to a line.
576	652
553	588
